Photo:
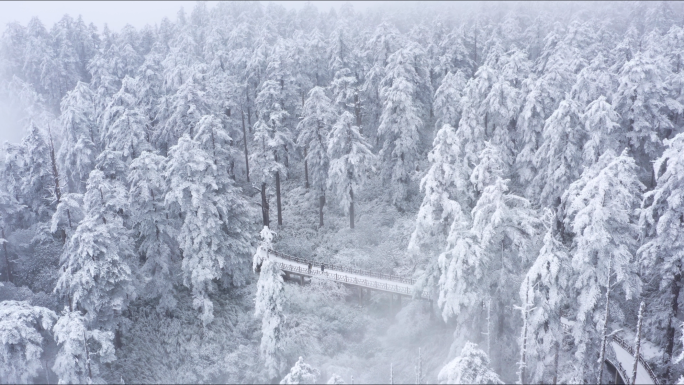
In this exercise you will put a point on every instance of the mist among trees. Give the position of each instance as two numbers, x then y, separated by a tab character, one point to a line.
522	164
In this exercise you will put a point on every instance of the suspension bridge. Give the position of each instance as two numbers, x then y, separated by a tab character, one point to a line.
363	279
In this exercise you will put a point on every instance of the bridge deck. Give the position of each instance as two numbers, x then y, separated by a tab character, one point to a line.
349	276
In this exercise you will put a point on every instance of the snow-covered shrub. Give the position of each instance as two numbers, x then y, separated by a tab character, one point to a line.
301	373
471	367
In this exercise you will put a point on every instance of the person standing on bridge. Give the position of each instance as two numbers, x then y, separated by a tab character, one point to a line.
322	268
309	267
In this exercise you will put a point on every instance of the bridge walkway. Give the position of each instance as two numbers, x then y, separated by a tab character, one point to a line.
349	276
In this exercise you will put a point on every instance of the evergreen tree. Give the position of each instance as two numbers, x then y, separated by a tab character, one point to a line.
211	236
350	160
448	99
599	210
404	92
80	137
318	117
559	157
447	192
81	351
125	127
662	252
549	280
269	305
97	272
152	229
22	340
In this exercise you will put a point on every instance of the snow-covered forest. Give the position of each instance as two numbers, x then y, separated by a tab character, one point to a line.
521	165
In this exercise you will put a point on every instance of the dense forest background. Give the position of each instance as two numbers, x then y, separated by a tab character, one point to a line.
523	161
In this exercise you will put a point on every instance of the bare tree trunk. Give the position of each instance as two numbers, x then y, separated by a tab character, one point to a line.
321	203
606	314
523	352
351	208
55	173
264	205
306	170
357	110
244	135
637	344
670	336
87	358
489	327
419	368
280	209
4	247
555	364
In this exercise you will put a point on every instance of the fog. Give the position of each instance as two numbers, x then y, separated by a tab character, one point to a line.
114	14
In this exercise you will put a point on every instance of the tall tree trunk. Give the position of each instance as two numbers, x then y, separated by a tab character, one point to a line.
351	208
4	247
321	203
523	351
670	336
264	205
606	314
555	364
419	368
244	135
87	357
55	173
306	170
280	209
637	343
357	110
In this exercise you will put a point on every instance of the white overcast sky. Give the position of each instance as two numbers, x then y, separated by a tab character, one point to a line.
115	14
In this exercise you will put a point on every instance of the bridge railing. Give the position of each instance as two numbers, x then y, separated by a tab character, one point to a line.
631	351
343	278
367	273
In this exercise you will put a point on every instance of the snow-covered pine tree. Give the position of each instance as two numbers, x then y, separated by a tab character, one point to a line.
350	161
318	116
447	192
97	268
301	373
154	230
471	367
559	158
448	96
68	215
405	93
272	136
212	236
602	127
600	211
21	340
269	305
125	126
37	185
344	90
80	138
505	226
550	278
185	108
643	103
81	350
662	253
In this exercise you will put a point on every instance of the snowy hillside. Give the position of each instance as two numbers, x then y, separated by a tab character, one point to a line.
249	193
